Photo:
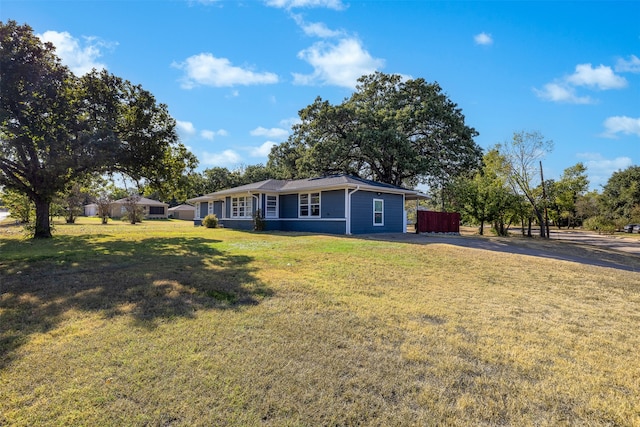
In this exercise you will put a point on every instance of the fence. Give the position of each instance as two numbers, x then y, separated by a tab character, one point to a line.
438	222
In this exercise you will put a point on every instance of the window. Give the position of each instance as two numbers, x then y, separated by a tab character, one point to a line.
241	207
156	210
378	212
272	207
309	204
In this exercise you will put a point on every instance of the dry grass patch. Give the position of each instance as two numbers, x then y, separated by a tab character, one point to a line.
167	324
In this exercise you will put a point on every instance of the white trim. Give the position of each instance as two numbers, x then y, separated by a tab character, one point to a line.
266	206
405	221
247	206
375	224
293	219
309	204
257	205
347	208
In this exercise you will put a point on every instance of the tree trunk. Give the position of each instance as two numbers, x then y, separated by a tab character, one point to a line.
481	231
544	233
43	226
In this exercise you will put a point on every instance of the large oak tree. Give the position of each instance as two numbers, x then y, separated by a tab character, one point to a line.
56	127
391	130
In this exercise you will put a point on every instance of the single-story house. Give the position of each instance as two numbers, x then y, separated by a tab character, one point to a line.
153	209
339	204
182	212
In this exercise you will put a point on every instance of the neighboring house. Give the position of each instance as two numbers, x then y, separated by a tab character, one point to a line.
340	204
182	212
152	209
91	209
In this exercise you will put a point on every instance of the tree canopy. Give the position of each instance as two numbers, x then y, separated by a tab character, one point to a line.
56	127
391	130
621	193
522	156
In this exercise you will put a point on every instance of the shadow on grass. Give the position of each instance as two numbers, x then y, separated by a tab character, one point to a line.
588	254
152	281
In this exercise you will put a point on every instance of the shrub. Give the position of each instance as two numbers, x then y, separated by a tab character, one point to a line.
258	221
599	224
210	221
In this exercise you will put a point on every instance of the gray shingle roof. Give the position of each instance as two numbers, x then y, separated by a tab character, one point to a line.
308	184
144	201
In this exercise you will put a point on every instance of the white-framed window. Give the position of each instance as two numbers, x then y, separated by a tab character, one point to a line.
241	207
309	204
378	212
271	207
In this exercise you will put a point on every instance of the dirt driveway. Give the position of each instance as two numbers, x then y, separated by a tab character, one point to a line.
616	242
573	246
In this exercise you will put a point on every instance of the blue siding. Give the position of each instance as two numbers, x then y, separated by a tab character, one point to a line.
288	206
217	208
362	213
307	225
238	224
332	211
204	209
332	204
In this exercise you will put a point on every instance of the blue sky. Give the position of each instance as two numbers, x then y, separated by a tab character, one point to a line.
234	74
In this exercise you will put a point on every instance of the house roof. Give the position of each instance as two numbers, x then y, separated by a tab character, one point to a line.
310	184
144	201
182	207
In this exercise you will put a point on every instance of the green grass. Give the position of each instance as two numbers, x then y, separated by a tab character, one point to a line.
163	323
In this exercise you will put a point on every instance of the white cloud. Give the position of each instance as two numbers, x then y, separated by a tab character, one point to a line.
207	134
601	77
621	124
600	169
337	64
630	66
483	39
78	57
558	92
263	150
564	90
291	4
319	29
270	133
185	129
205	69
211	134
288	123
225	159
315	29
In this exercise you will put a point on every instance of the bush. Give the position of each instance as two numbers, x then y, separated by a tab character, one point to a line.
258	221
599	224
210	221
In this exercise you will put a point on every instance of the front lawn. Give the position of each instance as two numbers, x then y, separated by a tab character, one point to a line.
163	323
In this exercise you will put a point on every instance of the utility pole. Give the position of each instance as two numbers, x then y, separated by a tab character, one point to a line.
544	199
